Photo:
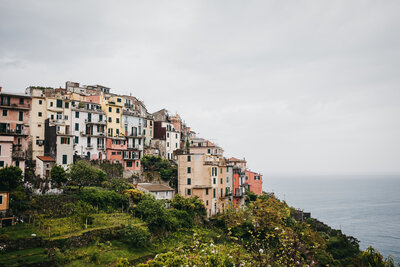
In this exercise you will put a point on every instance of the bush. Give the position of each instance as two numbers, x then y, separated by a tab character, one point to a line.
135	236
104	199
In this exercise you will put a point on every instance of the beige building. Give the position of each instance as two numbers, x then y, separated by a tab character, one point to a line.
43	166
205	176
203	146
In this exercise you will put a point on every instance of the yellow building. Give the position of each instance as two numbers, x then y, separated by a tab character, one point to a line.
113	106
204	176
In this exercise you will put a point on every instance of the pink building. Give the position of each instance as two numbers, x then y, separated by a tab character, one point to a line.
6	145
115	149
14	122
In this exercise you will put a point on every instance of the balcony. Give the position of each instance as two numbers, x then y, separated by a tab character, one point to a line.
89	146
100	146
58	121
130	146
15	106
18	154
101	122
13	132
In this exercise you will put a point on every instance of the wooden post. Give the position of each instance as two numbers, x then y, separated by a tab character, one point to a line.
49	232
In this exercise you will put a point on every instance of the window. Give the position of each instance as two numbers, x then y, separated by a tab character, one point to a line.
52	116
21	116
176	136
214	180
222	193
65	140
40	101
59	115
188	158
5	113
119	153
247	177
207	191
109	119
65	117
209	151
137	165
189	192
214	193
227	179
17	163
176	145
167	144
64	159
151	123
0	150
189	181
117	110
76	114
51	103
207	202
1	199
117	120
168	135
222	181
76	126
113	153
100	117
118	99
40	114
21	101
59	103
66	105
1	163
110	109
76	139
189	170
129	164
117	131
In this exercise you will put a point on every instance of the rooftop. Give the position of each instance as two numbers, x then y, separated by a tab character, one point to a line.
46	158
155	187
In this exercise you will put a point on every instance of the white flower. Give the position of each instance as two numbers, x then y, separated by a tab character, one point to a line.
276	228
261	250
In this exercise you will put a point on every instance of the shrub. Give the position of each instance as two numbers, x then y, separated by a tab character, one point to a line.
135	236
104	199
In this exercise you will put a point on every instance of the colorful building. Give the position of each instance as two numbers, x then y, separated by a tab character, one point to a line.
14	126
204	176
253	182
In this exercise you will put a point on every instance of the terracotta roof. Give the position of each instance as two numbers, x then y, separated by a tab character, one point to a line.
155	187
45	158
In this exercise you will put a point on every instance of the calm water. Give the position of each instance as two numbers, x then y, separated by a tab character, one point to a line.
366	207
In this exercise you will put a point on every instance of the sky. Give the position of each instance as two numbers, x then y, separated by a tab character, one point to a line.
295	87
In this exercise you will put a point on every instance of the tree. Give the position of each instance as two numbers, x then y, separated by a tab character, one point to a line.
193	205
10	178
82	174
154	213
58	175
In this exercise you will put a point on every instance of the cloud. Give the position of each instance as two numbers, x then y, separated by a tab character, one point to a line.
293	87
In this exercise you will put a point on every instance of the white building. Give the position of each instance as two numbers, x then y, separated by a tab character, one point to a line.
158	190
88	124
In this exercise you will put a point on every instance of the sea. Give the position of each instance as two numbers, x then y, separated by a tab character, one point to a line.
366	207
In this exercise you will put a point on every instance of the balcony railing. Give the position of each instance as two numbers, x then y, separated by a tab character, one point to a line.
99	146
89	146
18	154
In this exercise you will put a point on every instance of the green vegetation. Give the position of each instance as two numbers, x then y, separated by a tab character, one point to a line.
10	178
160	166
118	225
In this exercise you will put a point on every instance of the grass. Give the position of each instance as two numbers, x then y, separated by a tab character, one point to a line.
27	256
65	227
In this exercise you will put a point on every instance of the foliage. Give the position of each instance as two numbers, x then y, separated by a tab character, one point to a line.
135	195
58	175
135	236
103	199
158	164
372	258
19	200
250	197
83	174
10	178
154	213
193	206
112	170
117	184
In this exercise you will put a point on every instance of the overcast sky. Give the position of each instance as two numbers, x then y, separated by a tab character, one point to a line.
303	87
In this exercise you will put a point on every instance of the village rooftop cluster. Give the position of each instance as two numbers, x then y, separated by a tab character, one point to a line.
47	126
